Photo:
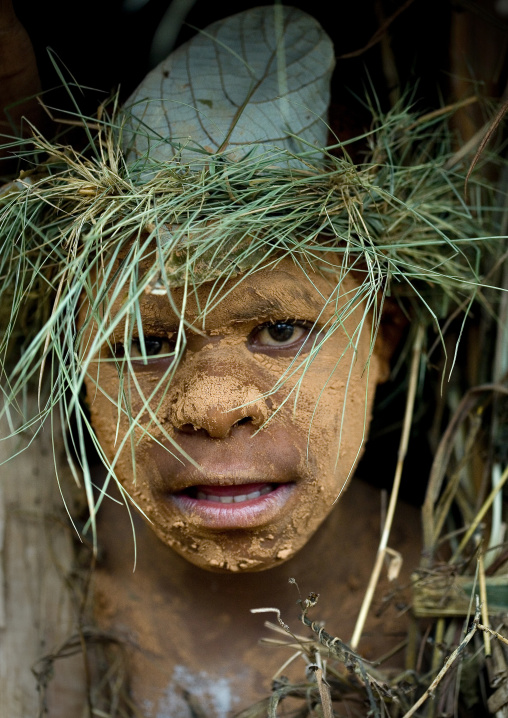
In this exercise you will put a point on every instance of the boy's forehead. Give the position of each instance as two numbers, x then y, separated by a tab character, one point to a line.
285	291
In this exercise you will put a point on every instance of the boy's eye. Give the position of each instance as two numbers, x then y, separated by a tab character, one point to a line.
280	334
154	346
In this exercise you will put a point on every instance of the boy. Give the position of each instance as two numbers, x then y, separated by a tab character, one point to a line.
244	434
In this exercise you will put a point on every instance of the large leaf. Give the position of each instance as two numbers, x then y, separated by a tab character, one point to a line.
258	78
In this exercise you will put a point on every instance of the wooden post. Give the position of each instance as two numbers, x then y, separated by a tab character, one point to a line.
36	556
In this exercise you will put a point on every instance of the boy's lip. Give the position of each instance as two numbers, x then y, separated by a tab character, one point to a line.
252	503
226	476
229	493
229	467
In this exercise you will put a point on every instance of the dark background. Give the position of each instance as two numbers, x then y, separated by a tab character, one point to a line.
106	43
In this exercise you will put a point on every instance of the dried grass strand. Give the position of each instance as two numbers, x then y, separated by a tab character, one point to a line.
404	440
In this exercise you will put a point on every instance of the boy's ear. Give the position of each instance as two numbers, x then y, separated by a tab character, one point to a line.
391	329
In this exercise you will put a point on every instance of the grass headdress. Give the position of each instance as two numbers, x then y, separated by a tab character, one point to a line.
217	165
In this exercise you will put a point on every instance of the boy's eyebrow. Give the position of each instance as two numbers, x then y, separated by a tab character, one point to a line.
299	304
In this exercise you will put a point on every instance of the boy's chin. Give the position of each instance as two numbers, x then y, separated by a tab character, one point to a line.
249	555
233	566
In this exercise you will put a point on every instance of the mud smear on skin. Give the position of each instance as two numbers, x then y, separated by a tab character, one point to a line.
230	383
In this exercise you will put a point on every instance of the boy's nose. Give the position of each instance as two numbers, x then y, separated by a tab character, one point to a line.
219	424
217	405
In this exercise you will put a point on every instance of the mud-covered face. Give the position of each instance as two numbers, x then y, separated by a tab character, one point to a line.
259	470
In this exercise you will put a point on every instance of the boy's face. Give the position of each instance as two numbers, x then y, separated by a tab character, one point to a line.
241	495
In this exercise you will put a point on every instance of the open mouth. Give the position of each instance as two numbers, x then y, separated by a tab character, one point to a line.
233	505
232	494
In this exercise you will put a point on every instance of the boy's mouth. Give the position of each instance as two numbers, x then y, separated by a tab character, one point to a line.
233	506
232	494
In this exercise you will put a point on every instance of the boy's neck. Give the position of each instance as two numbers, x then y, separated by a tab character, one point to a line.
336	563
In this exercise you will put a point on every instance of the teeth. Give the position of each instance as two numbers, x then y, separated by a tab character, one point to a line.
201	496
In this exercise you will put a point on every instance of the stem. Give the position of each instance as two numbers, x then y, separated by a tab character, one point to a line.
437	680
479	516
404	440
483	603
